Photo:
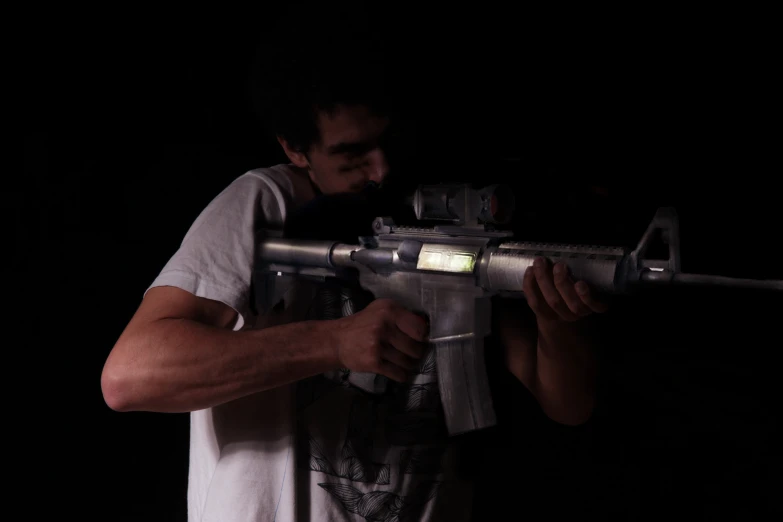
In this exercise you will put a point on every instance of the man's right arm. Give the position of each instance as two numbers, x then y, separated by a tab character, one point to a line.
179	353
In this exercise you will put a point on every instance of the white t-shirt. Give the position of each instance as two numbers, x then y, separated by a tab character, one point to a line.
321	449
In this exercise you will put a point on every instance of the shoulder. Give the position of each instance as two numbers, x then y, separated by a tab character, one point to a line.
288	183
275	179
271	191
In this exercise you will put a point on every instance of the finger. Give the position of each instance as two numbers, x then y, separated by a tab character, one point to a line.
404	343
413	325
587	297
567	289
546	284
392	371
398	358
533	296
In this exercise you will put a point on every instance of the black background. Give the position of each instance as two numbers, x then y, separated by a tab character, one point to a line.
132	125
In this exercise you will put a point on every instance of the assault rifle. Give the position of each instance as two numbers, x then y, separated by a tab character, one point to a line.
449	273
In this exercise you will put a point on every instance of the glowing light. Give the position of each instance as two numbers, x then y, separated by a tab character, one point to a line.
446	261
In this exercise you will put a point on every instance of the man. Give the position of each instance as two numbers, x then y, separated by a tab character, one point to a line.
279	431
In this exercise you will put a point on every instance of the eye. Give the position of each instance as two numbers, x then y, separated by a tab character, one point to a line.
354	161
351	167
355	156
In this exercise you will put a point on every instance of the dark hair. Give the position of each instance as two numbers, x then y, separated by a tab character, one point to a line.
315	58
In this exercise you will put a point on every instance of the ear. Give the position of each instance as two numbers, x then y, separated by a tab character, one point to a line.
297	157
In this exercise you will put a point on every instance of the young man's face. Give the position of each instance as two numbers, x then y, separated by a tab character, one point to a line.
350	152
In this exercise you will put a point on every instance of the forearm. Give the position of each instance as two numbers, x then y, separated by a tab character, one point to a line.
557	365
180	365
555	355
565	373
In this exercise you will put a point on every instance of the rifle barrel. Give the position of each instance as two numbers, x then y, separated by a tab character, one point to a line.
684	279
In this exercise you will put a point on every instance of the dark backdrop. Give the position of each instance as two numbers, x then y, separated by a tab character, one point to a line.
132	127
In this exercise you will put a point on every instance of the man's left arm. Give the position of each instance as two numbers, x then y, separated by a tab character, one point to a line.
549	343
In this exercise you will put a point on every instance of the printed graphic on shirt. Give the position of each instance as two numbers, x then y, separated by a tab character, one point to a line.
394	439
418	397
356	462
427	366
311	390
425	461
383	505
421	429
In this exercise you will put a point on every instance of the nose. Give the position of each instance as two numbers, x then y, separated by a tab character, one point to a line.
379	166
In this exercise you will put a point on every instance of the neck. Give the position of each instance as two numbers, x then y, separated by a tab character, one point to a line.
314	186
305	189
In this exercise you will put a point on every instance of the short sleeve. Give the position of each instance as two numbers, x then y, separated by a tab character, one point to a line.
215	259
